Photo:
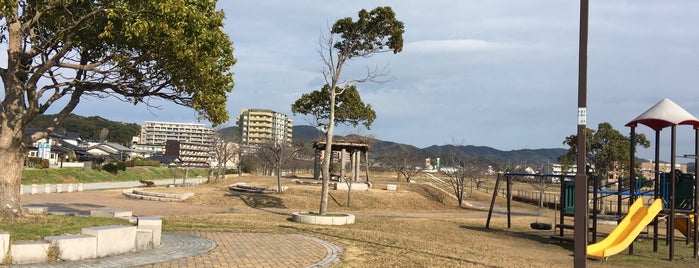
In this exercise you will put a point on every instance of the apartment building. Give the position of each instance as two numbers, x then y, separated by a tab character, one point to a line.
155	135
190	155
258	126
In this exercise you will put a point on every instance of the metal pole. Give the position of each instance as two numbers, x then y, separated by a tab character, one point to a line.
696	192
632	181
656	187
580	226
673	177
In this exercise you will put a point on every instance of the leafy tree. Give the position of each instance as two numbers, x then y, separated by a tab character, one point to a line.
60	52
375	31
607	151
349	107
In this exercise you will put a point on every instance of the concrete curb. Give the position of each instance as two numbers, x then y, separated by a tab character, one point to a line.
174	246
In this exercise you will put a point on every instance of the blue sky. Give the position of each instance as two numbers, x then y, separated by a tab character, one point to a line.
493	73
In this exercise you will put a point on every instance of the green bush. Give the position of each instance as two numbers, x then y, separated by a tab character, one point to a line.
111	168
96	167
34	162
121	166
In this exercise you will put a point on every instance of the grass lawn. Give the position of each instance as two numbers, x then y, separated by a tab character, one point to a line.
415	226
76	175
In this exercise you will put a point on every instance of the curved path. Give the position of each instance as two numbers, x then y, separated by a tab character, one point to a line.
221	249
196	249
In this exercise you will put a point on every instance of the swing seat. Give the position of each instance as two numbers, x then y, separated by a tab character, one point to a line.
540	226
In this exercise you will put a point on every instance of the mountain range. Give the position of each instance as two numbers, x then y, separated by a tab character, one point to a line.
309	134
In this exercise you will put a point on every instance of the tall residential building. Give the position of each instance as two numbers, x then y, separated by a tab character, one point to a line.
154	135
258	126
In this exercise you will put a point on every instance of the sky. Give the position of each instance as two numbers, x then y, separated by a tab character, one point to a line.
499	73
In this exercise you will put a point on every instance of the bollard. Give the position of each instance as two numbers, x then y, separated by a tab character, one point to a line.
21	190
80	187
34	191
70	188
47	188
59	188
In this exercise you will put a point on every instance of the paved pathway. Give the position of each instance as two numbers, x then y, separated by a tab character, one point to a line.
221	249
198	249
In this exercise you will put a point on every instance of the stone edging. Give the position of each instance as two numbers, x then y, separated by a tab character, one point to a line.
333	252
300	217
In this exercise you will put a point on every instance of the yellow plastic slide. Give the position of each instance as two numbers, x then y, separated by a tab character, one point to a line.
681	225
627	230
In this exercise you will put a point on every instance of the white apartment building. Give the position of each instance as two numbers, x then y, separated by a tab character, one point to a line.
158	133
154	135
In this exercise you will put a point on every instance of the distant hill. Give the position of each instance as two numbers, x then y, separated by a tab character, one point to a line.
92	127
490	155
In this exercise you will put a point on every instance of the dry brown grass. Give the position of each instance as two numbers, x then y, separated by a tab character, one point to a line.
410	227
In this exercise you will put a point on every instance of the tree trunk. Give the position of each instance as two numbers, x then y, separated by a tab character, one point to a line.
279	178
328	154
11	164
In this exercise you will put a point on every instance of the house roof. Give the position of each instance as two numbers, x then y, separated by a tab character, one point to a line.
664	114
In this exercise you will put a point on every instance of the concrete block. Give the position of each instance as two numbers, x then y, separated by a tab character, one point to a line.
355	186
74	247
153	223
37	210
69	188
80	187
4	245
47	188
113	239
30	252
391	187
144	239
59	188
34	189
110	213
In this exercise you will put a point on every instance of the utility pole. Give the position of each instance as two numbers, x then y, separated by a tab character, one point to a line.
580	227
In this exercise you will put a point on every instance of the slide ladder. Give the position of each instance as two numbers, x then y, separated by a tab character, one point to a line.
627	230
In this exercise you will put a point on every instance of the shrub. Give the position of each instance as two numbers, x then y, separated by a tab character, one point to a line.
33	162
121	166
111	168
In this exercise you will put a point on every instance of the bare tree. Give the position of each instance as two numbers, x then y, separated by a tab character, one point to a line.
225	150
277	155
463	169
404	163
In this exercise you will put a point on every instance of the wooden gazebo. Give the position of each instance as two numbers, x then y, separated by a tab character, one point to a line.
343	147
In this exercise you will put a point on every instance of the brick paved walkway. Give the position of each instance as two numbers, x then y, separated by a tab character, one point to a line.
198	249
260	250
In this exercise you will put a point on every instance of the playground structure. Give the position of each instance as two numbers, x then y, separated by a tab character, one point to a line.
674	194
